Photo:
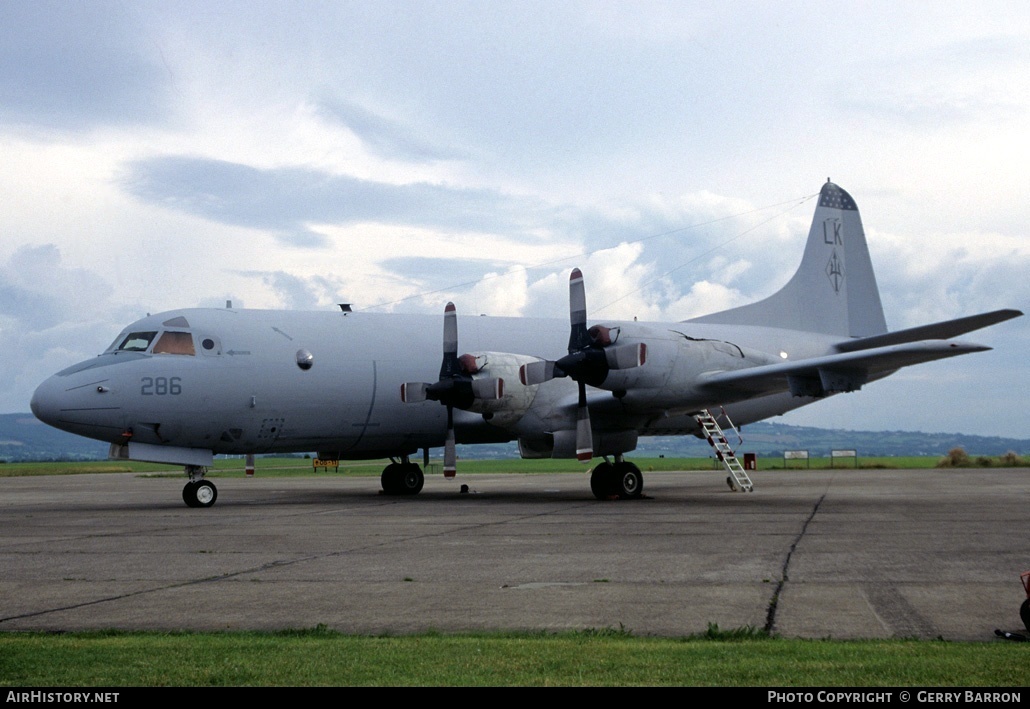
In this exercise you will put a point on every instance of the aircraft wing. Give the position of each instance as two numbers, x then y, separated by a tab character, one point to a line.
845	371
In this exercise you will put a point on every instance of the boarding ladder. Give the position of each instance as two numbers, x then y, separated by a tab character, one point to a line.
738	478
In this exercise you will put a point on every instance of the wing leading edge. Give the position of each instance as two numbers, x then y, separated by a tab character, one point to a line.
819	376
856	361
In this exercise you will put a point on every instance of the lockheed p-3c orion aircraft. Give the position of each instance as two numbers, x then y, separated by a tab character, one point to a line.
182	386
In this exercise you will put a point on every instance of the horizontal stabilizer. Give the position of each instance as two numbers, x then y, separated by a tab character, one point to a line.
936	331
856	367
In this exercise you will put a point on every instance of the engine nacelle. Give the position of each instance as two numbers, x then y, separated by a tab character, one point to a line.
515	397
674	362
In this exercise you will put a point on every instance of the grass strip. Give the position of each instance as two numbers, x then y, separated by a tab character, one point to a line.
321	657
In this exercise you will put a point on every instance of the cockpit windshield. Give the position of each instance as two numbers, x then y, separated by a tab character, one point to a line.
137	341
168	342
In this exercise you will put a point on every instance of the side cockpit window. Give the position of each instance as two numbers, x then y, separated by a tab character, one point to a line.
137	341
179	343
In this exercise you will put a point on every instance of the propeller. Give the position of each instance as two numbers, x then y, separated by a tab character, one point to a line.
591	356
455	388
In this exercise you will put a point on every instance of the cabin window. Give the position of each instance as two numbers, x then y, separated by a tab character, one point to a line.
137	341
179	343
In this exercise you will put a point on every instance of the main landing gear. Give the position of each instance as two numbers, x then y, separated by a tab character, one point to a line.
198	491
404	478
619	480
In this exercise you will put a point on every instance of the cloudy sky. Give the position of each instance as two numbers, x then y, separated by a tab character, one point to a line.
396	155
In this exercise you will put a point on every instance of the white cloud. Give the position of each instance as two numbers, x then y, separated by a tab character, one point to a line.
704	298
500	293
948	275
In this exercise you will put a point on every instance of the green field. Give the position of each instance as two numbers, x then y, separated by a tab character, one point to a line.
603	658
301	466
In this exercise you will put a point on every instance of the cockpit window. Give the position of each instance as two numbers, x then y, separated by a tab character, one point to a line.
180	343
137	341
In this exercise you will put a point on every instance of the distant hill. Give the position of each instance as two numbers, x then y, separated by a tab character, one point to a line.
24	438
767	438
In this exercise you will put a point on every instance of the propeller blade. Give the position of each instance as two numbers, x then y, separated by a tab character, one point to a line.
626	356
450	455
578	336
488	388
450	366
413	392
584	436
537	372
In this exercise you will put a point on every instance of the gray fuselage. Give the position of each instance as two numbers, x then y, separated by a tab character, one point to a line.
230	382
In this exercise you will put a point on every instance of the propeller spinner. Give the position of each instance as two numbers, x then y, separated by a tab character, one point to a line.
455	388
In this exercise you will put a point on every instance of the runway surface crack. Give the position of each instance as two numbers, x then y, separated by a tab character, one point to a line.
770	616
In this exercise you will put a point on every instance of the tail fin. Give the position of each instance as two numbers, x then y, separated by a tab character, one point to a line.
834	290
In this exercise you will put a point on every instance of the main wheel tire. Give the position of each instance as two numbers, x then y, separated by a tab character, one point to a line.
628	481
189	494
205	493
602	481
1024	613
411	479
390	479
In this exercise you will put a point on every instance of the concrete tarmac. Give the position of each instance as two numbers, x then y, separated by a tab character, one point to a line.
814	554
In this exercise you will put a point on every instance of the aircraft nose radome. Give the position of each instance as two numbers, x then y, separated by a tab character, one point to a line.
43	402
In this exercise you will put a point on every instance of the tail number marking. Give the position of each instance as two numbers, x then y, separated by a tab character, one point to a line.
160	386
